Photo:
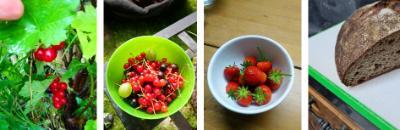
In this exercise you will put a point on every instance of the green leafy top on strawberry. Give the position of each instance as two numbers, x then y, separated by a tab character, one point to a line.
231	94
259	96
276	75
245	64
262	57
231	89
242	93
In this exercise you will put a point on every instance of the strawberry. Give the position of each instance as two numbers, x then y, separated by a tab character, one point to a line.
254	76
263	63
243	97
231	73
262	95
264	66
231	89
250	61
241	80
275	79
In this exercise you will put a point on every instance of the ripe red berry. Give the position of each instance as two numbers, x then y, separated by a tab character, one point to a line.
147	88
126	66
59	94
149	96
150	110
59	46
63	101
157	91
139	68
56	99
39	54
143	55
164	108
143	102
135	87
49	54
57	105
161	97
157	106
63	86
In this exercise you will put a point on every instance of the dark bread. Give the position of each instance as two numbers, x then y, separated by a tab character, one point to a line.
368	43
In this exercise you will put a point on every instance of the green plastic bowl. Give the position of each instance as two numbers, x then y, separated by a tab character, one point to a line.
164	48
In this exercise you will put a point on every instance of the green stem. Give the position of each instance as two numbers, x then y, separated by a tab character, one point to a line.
30	88
91	86
70	43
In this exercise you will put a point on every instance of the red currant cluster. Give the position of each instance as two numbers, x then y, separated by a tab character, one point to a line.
58	89
48	54
155	84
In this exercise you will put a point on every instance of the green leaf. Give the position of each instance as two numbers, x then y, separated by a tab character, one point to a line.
85	25
40	68
38	87
92	69
44	21
35	100
73	68
82	104
4	125
90	125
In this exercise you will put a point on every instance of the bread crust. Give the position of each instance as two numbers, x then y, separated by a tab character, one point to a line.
362	31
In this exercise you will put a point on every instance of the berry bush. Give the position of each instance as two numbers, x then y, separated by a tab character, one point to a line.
47	66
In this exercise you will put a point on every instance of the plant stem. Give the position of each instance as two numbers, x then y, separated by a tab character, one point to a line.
69	45
91	86
30	87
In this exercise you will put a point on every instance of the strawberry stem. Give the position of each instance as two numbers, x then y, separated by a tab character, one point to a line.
262	57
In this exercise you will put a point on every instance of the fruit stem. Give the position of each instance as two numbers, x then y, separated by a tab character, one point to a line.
262	57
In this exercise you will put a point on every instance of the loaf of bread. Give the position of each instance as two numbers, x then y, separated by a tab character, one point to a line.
368	43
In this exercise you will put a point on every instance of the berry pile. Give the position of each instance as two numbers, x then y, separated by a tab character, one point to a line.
58	88
48	54
149	84
255	82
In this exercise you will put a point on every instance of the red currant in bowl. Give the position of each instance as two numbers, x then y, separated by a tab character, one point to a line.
152	50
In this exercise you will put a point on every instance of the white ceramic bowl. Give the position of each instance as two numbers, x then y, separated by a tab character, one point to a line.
234	51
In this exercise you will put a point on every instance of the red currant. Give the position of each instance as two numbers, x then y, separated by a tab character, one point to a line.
135	87
57	105
164	108
143	55
63	86
126	66
161	97
150	110
49	54
157	91
143	102
147	88
139	68
39	54
157	106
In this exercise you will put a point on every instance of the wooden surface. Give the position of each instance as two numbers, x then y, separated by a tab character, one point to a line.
277	19
330	113
286	116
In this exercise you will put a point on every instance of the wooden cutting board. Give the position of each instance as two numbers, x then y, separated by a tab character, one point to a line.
378	99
